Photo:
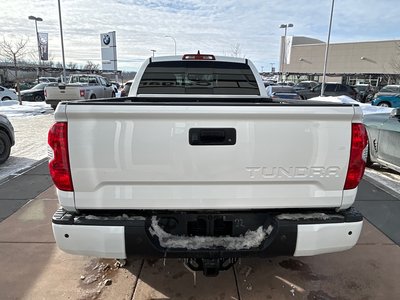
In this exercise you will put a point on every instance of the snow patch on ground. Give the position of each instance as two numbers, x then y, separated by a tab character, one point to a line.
11	108
30	143
249	240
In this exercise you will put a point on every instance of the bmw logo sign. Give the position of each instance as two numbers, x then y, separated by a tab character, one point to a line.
106	39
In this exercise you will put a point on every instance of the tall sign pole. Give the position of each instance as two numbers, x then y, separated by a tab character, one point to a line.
62	42
326	51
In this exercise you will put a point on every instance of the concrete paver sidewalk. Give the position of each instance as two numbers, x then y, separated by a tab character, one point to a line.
32	267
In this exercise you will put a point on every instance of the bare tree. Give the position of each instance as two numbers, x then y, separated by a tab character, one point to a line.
236	51
91	66
71	65
14	52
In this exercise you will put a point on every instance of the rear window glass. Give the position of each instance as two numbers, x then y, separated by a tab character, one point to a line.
198	77
330	87
341	88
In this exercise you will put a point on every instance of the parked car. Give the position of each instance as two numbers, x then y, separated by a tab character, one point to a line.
387	100
48	79
277	92
7	138
127	87
305	85
34	94
388	90
331	89
268	83
24	86
6	94
364	92
289	83
384	139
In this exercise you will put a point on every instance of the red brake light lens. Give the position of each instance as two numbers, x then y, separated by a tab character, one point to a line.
82	93
59	166
198	56
358	156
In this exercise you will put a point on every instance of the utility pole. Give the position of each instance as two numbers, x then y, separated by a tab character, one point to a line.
62	42
326	51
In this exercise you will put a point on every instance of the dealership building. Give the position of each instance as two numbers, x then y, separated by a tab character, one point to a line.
374	62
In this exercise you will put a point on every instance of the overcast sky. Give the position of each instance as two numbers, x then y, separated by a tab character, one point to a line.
211	26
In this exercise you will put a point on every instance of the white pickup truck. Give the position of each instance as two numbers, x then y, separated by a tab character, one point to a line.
197	163
80	86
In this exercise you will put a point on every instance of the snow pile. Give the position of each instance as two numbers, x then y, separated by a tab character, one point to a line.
116	218
251	239
8	103
11	108
367	108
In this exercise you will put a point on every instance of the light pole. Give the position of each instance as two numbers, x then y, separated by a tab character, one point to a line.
62	42
327	50
153	52
285	26
173	39
37	19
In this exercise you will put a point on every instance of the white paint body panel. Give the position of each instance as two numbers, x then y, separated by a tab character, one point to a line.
313	239
100	241
139	157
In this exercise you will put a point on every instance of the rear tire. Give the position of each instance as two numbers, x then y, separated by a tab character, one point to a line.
5	147
369	162
5	98
38	98
93	96
384	104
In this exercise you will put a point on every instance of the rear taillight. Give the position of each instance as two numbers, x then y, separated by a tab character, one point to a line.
358	156
82	93
45	93
59	162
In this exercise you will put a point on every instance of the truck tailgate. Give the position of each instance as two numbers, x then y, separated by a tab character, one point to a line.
64	92
141	156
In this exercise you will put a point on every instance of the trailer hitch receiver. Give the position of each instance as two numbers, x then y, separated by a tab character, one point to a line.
210	266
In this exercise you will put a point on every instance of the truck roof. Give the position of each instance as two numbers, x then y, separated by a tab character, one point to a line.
180	57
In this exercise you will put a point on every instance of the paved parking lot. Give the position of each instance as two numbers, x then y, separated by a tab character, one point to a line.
32	267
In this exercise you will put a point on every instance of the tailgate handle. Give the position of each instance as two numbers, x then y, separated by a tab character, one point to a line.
212	136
